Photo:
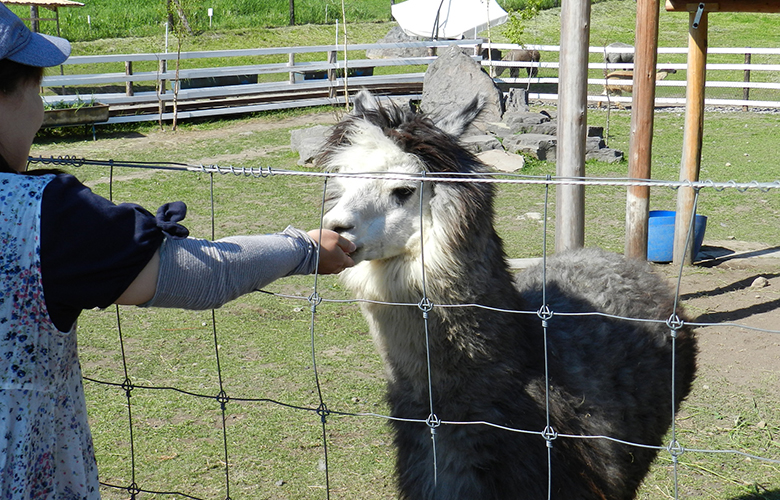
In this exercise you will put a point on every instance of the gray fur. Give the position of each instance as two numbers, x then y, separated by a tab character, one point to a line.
608	377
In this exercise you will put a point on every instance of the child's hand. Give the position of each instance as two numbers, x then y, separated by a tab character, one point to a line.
334	251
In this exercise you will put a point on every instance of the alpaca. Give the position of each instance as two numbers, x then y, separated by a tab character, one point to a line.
492	55
520	55
607	377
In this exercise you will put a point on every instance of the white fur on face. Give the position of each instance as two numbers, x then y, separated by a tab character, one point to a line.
381	216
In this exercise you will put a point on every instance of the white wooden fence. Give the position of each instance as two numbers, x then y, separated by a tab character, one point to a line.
285	84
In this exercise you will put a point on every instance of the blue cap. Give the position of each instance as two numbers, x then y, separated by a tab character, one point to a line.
21	45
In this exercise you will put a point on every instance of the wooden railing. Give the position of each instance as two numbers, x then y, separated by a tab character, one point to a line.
243	88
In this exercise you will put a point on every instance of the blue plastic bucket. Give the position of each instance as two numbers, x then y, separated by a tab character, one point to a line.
660	235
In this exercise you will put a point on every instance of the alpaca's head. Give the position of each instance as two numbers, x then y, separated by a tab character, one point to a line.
383	215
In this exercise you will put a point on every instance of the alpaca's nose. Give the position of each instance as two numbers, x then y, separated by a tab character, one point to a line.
341	228
337	223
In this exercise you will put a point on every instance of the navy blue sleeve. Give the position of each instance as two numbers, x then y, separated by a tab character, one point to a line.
91	249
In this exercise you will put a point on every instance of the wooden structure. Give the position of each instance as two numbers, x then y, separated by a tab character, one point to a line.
694	108
641	131
52	5
572	123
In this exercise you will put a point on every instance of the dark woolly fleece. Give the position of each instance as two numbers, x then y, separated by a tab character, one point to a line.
607	377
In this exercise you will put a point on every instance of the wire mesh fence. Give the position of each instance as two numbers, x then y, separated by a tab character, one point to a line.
279	395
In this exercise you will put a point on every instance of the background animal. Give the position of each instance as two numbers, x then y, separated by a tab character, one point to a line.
607	377
622	80
520	55
613	57
492	55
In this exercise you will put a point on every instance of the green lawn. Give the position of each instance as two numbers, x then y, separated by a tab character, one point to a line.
267	344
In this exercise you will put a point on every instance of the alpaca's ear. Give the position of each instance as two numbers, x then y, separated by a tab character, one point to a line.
364	102
457	122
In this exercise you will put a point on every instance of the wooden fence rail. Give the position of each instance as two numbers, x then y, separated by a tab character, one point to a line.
257	86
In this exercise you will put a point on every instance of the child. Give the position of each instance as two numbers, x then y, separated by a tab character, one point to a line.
65	249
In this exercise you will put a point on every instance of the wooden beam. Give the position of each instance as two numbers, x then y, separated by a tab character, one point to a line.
572	123
641	139
692	134
765	6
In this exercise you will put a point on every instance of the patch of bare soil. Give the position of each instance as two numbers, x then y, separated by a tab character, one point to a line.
736	290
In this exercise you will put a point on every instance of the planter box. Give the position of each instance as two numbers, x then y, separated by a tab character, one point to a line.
84	115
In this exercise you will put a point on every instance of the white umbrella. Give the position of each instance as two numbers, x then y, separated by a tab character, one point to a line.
447	18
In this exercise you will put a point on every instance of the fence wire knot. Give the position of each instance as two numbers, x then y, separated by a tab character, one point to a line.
128	386
133	489
433	422
544	314
222	398
675	449
425	305
675	323
314	300
323	412
549	434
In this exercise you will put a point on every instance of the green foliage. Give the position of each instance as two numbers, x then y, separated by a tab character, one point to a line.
77	104
107	19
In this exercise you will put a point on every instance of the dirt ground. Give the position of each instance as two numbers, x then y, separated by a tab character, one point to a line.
735	283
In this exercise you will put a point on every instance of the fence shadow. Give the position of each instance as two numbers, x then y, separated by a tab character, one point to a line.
714	256
733	287
764	494
736	314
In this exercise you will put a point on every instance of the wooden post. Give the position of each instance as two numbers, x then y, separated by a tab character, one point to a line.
292	12
35	26
162	84
332	74
692	136
746	90
129	72
291	62
572	123
641	139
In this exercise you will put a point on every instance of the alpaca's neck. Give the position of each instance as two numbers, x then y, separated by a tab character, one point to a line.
476	274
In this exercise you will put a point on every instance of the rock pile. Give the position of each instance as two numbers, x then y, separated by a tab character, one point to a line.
506	126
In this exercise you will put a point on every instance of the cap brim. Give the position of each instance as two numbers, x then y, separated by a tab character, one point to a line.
43	51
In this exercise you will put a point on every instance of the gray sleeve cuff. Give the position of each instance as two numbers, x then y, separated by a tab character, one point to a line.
201	274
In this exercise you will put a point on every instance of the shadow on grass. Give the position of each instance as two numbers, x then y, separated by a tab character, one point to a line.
761	494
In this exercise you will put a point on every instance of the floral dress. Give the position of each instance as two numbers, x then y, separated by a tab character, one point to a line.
45	444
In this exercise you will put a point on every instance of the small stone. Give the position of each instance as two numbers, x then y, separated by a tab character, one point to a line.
280	482
759	282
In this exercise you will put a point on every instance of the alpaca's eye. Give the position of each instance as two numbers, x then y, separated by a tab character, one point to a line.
401	194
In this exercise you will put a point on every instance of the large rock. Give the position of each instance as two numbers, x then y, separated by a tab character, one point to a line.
480	143
516	101
539	146
502	161
308	142
607	155
453	80
397	35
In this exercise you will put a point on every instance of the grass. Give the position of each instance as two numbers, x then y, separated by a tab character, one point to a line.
265	342
107	19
